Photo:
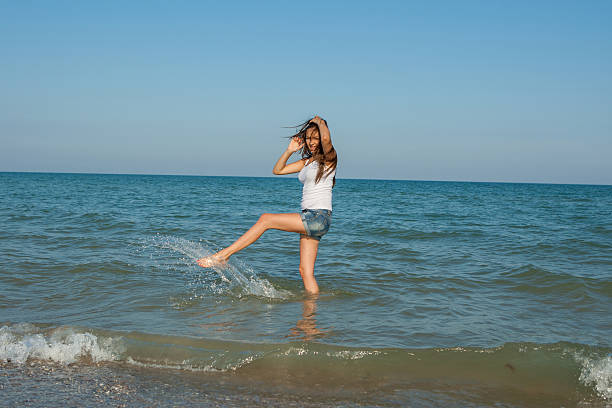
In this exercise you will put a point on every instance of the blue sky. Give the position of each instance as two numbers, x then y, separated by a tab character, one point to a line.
515	91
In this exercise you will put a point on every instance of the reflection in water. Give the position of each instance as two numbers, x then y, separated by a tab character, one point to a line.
306	328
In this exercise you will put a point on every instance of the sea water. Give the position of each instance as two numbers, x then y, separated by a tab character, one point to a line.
432	293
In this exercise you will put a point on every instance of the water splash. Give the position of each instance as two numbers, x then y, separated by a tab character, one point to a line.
64	345
597	372
234	278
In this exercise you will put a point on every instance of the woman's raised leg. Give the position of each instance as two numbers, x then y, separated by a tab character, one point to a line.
291	222
308	255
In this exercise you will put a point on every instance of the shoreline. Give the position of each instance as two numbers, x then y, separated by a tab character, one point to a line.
39	383
43	383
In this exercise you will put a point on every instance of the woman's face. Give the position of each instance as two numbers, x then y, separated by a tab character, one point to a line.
312	139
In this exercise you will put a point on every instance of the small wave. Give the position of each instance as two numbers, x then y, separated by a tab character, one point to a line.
549	368
188	365
530	278
24	217
24	342
533	274
415	234
63	345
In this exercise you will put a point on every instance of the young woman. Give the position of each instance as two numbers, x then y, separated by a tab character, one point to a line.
317	169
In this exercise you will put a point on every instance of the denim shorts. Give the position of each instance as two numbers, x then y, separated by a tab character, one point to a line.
316	222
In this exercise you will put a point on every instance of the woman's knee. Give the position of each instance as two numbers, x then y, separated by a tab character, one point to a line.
264	219
306	271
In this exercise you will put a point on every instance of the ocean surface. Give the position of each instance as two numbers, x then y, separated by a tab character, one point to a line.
432	294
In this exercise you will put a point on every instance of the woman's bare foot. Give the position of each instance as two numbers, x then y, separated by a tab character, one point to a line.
211	261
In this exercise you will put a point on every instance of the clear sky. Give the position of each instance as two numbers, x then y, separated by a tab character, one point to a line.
516	91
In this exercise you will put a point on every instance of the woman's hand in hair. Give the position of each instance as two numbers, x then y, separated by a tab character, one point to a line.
319	121
295	144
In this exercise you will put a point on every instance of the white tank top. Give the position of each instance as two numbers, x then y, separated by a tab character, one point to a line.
316	196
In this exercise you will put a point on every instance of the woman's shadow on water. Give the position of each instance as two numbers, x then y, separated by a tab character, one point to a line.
306	328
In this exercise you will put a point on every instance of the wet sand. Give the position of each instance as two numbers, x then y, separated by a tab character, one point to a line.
48	384
86	384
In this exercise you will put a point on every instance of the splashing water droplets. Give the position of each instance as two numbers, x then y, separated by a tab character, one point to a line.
234	278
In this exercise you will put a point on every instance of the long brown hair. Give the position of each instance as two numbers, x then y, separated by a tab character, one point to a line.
329	159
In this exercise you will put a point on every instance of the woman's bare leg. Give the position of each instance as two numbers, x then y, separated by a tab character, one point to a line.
308	255
291	222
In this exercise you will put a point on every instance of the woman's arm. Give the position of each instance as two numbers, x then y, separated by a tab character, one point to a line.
324	133
281	166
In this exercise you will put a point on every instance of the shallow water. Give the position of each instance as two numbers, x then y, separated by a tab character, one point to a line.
431	287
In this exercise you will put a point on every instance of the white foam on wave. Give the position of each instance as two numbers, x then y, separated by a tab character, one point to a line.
597	372
215	366
24	341
354	355
342	354
235	277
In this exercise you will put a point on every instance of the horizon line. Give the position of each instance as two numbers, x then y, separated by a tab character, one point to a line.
341	178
